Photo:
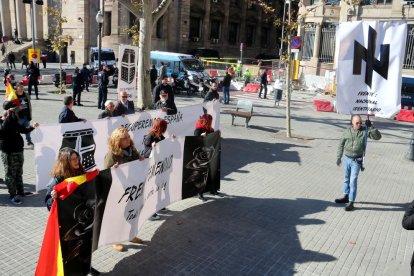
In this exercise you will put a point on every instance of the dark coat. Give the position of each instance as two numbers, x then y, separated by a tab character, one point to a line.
33	73
227	80
408	223
148	140
105	114
263	78
10	138
211	95
172	109
120	109
153	75
86	74
77	81
26	105
68	116
157	91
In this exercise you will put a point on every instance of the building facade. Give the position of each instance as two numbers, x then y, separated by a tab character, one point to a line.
188	24
318	21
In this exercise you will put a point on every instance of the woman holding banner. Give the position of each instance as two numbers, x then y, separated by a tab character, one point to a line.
121	150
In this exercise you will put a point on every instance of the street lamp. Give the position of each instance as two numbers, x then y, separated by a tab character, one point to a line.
99	20
283	28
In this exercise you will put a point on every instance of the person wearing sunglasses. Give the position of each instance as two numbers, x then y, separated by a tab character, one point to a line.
352	147
123	106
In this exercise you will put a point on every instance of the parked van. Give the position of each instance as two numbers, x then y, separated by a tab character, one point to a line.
179	64
407	91
107	57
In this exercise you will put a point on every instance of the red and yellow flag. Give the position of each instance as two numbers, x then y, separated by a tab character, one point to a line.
11	94
50	261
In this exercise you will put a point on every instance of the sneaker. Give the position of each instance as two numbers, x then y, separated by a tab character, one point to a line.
30	143
94	272
201	197
15	200
23	194
79	104
155	216
118	247
344	199
164	210
349	206
136	240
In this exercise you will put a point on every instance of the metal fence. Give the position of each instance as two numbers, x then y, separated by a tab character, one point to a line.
409	50
308	42
327	52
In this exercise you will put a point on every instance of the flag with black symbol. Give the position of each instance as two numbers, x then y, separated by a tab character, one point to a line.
127	64
369	64
201	164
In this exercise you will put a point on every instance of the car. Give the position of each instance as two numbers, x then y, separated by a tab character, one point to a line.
205	53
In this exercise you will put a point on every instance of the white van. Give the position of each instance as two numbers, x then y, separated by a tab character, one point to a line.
179	63
107	57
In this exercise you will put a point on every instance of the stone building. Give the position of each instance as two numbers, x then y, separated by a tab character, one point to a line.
318	20
187	24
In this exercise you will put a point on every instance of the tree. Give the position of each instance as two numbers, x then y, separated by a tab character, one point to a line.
58	41
147	20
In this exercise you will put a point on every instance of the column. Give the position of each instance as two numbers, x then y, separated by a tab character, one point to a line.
225	29
21	20
242	28
38	17
5	18
317	42
205	34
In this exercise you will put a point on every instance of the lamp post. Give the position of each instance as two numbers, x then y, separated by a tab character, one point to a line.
283	29
99	20
288	82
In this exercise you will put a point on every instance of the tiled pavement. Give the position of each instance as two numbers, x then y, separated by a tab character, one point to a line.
278	215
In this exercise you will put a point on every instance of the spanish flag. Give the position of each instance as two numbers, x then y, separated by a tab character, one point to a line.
50	261
11	94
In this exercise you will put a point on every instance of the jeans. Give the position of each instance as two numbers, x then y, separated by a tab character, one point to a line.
26	123
265	90
351	171
103	92
226	94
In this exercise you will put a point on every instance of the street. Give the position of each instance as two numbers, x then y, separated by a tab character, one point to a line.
278	215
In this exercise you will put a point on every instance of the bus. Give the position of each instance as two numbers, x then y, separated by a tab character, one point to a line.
179	64
107	57
407	91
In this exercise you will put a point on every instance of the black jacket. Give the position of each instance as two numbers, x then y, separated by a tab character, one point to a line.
86	74
10	138
211	95
103	77
263	78
408	223
227	80
77	80
148	140
33	73
120	109
153	75
68	116
172	109
157	91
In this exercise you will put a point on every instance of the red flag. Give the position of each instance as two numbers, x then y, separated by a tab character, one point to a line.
67	186
11	94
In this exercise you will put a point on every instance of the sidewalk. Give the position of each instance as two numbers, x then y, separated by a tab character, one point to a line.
278	215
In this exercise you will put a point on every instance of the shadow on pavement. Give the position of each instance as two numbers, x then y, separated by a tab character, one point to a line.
377	206
229	236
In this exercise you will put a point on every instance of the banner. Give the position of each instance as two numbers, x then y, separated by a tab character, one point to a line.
90	138
370	59
127	74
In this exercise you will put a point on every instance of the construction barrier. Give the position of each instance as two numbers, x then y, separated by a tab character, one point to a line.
251	88
323	106
406	116
68	79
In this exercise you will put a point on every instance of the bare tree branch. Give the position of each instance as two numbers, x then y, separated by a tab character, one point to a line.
160	10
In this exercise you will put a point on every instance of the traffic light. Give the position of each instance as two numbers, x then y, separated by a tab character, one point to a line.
39	2
27	1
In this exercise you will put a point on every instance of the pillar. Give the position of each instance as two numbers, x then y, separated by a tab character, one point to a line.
205	34
5	18
225	30
21	20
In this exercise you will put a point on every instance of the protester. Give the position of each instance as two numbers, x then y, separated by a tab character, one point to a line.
72	58
109	110
231	71
25	110
3	49
121	150
43	58
165	105
408	224
155	135
202	128
263	84
123	106
247	76
11	147
68	164
67	115
352	144
162	71
24	61
86	76
212	94
153	76
77	87
226	88
33	74
11	59
103	87
160	88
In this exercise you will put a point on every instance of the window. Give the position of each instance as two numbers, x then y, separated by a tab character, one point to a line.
132	19
233	33
376	2
195	28
264	39
308	42
215	29
160	30
328	36
409	49
249	35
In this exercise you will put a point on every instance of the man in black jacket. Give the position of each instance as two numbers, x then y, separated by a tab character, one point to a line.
103	82
33	73
12	58
67	115
11	147
164	105
161	88
153	76
25	110
123	106
86	76
212	94
263	84
77	83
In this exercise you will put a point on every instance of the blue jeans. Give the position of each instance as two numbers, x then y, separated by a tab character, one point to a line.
226	94
26	123
351	171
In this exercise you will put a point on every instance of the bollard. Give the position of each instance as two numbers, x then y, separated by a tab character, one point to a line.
410	153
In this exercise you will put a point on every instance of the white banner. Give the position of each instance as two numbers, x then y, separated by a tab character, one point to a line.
127	73
370	59
90	138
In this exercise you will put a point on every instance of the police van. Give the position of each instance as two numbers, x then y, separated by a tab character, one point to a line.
107	57
179	64
407	91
